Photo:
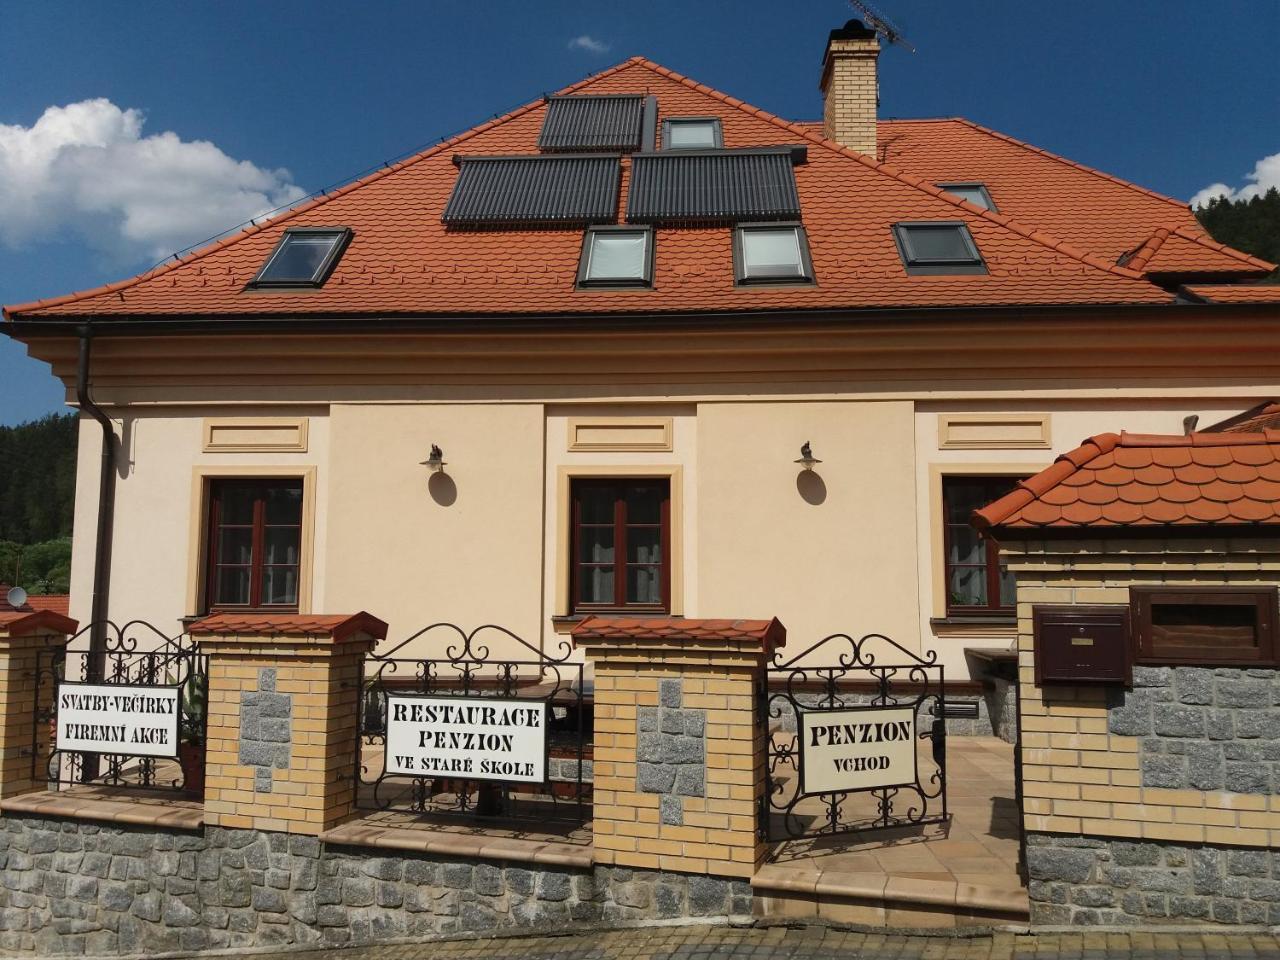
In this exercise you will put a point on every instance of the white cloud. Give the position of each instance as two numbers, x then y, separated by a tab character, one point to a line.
87	169
589	44
1265	175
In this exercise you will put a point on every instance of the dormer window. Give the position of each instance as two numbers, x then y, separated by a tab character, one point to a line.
616	257
772	253
975	193
938	247
692	133
304	257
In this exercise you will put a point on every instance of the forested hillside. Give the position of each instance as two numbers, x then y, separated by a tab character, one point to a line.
1251	225
37	490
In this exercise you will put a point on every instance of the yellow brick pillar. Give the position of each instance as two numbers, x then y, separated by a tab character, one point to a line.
284	695
679	752
24	636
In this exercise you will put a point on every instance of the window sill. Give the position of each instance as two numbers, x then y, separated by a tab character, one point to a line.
565	622
994	627
107	805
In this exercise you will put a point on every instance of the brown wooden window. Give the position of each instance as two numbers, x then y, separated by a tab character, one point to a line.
977	583
621	545
1205	626
255	544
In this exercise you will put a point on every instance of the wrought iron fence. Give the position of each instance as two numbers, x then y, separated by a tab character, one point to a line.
128	712
553	786
840	679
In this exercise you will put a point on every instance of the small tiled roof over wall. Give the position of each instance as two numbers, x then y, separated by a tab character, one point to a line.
1126	480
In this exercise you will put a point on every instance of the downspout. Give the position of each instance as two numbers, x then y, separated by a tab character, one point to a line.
106	512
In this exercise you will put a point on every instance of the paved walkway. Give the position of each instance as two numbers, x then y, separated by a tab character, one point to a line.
818	943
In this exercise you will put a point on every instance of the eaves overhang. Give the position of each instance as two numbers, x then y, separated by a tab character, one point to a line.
204	324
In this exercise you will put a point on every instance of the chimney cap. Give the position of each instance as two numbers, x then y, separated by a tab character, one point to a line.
855	29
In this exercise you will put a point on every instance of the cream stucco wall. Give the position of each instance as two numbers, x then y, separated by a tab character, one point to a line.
461	546
852	546
161	451
826	551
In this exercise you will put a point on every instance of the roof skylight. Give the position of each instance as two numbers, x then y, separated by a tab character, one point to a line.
975	193
938	247
772	253
692	133
304	257
616	257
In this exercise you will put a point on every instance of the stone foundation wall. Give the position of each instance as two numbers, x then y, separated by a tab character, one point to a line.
1086	881
68	887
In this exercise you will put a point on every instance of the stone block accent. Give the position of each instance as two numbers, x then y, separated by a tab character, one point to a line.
78	888
266	733
283	708
1090	881
1188	755
23	638
679	753
671	748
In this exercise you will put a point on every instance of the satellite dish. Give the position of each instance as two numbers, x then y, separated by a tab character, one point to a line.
17	597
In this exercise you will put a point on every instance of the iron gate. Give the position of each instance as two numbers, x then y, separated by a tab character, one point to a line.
132	656
471	673
842	680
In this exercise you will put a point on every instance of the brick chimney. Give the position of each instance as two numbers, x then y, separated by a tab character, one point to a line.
850	90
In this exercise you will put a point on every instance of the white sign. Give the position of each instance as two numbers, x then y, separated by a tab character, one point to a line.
861	748
467	737
106	718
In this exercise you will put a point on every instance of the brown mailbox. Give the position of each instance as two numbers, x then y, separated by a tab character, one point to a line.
1082	644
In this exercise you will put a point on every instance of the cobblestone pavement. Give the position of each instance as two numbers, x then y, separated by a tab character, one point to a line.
818	943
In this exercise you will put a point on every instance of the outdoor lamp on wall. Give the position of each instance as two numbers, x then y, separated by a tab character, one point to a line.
807	460
435	463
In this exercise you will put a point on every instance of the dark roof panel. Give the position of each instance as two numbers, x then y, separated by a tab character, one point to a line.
713	186
534	190
577	123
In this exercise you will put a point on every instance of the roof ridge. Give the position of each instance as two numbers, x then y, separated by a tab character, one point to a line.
1037	236
1206	241
1034	487
310	204
1074	163
1143	253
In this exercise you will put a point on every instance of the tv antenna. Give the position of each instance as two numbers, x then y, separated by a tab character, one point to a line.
881	24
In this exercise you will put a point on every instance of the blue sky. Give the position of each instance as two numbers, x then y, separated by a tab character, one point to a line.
208	110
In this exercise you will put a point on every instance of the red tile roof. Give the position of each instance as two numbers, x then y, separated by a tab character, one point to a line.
1108	216
1146	480
402	260
769	632
1265	416
1235	293
339	626
25	621
59	603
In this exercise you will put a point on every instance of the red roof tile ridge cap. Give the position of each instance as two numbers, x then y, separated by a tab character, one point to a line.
1143	253
309	204
1072	163
1034	487
1212	244
1037	236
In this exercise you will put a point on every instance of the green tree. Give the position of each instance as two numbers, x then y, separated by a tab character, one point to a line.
37	567
38	479
1251	225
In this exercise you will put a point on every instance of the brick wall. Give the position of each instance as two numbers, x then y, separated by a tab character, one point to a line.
1142	804
1110	762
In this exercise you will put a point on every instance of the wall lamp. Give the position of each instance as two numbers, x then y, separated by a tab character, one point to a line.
435	463
807	460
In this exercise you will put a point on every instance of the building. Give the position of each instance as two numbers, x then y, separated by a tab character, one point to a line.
640	347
